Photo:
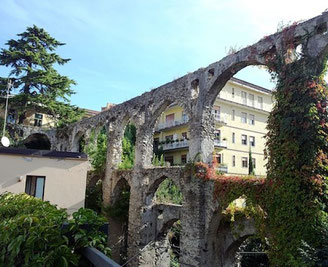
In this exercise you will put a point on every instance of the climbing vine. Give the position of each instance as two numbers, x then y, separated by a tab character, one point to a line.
297	157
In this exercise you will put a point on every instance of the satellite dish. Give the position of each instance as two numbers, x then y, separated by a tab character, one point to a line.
5	141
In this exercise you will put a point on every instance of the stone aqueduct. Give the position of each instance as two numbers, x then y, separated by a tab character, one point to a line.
205	240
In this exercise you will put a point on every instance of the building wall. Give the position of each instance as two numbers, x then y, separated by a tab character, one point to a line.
233	109
65	180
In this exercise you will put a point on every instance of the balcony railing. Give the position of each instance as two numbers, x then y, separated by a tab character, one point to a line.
185	143
219	143
222	168
175	145
170	124
220	118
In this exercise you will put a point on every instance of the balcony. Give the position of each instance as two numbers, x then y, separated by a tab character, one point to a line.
175	145
222	168
170	124
220	118
219	143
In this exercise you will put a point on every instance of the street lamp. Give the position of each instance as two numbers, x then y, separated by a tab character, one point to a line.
5	140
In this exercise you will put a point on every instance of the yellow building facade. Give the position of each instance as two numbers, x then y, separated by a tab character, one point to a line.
240	113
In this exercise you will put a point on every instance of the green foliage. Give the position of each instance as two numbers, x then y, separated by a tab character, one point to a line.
39	86
158	160
168	192
128	147
297	159
89	236
32	233
96	149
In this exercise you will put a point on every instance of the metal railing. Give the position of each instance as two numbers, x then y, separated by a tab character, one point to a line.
175	145
174	123
220	118
223	168
219	143
97	258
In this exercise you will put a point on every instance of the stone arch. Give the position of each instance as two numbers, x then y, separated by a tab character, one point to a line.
145	144
155	183
37	141
78	141
167	216
223	238
238	61
221	80
120	185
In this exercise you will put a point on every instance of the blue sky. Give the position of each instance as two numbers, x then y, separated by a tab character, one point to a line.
120	49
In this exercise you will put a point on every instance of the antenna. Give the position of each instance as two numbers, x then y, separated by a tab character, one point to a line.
4	140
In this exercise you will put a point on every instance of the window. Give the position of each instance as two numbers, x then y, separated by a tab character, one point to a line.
260	102
219	158
184	135
217	135
216	113
183	159
254	163
38	119
251	100
244	162
233	92
251	119
169	117
233	161
184	117
233	115
233	137
252	140
243	117
35	186
169	159
244	97
244	139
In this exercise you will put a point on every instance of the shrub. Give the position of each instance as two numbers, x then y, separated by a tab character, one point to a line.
168	192
32	233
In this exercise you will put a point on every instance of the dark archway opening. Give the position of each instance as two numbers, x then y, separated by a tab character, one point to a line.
252	252
37	141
